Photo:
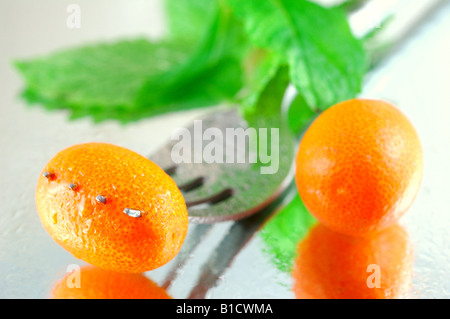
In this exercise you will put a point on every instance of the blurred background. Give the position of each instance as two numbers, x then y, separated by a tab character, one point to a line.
415	79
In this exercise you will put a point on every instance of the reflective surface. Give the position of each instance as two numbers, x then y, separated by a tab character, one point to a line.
31	264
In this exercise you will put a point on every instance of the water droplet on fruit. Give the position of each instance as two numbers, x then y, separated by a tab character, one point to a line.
132	212
101	199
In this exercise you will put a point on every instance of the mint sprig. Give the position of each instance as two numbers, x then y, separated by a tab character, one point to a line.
215	52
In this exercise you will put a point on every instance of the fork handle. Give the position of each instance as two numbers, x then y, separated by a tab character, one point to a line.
238	236
199	233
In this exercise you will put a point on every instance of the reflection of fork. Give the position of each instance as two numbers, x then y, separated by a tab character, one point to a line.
239	192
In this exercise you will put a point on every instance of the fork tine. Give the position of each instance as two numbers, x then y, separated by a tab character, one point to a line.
189	186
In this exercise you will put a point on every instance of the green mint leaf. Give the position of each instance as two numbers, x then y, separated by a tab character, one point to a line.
189	19
199	92
300	115
211	85
327	63
266	111
98	77
211	75
351	5
260	67
264	103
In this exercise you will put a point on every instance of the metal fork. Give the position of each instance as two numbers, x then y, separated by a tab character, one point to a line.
219	192
237	191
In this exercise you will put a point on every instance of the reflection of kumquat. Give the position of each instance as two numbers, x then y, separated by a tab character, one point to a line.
330	265
359	166
111	207
96	283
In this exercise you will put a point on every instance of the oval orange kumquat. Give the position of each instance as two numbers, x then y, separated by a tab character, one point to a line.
359	166
112	207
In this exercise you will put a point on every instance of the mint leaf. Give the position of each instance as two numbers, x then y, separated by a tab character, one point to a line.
300	115
351	5
189	19
205	62
200	91
271	80
267	107
214	68
327	63
266	114
260	67
98	77
209	86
